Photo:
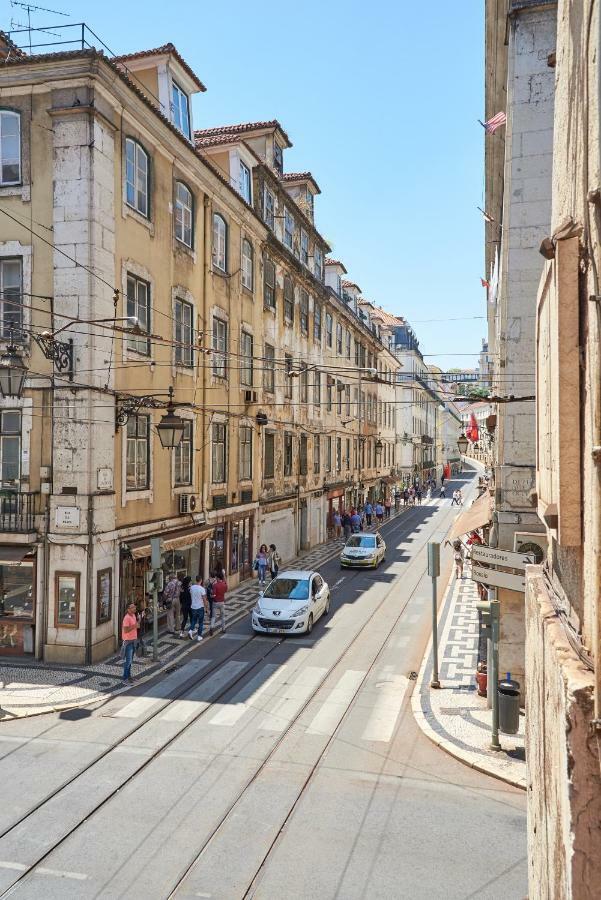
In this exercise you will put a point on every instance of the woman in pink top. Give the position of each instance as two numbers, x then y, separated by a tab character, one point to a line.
129	636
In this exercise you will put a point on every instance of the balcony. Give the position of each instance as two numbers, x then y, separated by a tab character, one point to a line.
18	511
426	439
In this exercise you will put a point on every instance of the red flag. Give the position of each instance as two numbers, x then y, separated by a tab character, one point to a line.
471	431
484	283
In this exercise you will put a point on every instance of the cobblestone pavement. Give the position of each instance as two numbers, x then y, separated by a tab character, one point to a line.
30	688
455	717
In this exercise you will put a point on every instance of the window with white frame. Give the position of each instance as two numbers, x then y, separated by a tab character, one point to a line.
137	467
348	344
268	283
184	206
247	264
328	454
304	312
317	389
184	333
182	457
219	243
180	109
218	453
245	457
137	182
10	447
246	359
288	229
11	297
339	338
138	307
318	263
268	208
316	454
219	347
269	369
304	246
288	298
317	322
278	158
10	147
329	329
244	182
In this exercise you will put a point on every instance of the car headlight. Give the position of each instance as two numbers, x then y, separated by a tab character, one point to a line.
257	610
301	611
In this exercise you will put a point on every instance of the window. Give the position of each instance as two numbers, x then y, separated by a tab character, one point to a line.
316	454
269	455
245	182
245	461
288	229
310	203
318	263
287	377
136	177
317	322
219	347
269	369
246	359
278	158
219	242
247	264
329	327
304	385
339	339
338	454
138	307
347	392
268	208
302	455
182	457
10	447
317	389
339	392
287	454
11	274
10	147
218	453
357	347
180	109
348	344
137	467
304	312
184	205
184	333
347	455
288	299
304	248
330	390
328	454
268	284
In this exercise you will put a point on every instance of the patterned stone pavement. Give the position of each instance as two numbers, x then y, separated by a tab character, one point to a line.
30	688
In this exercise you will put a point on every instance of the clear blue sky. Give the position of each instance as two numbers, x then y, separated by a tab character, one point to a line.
380	101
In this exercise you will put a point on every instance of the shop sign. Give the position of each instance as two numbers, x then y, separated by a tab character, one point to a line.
495	557
499	579
67	517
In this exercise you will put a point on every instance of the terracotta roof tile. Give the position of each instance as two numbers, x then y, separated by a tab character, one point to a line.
10	46
335	262
241	128
166	48
380	315
300	176
351	284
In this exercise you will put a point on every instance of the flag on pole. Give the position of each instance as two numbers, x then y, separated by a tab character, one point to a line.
484	283
491	125
472	432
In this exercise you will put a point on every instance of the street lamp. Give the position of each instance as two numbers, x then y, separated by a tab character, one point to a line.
462	444
13	372
171	427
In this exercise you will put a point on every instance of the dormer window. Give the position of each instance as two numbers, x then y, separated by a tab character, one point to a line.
310	201
278	158
180	109
244	182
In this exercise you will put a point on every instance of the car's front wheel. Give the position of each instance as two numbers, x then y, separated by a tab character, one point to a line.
309	628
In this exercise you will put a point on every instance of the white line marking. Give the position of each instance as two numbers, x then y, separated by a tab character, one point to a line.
295	695
77	876
413	618
161	690
247	697
15	866
382	721
340	580
234	637
401	641
203	694
336	704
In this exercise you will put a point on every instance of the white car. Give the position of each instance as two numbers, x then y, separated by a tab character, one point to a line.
363	549
291	603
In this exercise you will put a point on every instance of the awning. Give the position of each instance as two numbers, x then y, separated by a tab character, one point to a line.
478	514
171	540
13	554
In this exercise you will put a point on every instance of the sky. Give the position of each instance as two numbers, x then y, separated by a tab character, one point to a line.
381	102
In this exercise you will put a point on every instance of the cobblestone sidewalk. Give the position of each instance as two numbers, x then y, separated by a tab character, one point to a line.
30	688
455	717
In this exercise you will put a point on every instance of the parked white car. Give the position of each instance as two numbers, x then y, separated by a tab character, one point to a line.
291	603
363	549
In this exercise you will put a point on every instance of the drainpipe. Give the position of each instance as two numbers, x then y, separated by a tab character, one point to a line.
594	370
205	368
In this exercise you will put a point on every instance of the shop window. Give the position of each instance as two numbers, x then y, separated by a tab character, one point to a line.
66	600
16	597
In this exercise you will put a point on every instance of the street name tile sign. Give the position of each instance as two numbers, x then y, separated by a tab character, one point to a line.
499	579
494	556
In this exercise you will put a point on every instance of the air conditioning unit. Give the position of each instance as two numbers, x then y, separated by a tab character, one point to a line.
250	396
533	542
187	504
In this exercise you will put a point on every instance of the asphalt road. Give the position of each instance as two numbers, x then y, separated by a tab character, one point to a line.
266	767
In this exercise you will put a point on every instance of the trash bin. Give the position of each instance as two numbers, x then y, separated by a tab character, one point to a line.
509	705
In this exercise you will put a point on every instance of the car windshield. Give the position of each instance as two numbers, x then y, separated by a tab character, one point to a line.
361	540
287	589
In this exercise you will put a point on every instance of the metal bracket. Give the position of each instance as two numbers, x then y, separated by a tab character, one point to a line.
130	406
60	352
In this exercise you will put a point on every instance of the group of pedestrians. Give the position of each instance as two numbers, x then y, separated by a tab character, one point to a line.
187	602
267	558
457	498
350	521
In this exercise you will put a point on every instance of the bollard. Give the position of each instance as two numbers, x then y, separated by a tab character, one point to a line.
434	572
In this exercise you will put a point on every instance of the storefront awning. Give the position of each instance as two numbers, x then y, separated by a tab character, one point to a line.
14	553
170	540
476	516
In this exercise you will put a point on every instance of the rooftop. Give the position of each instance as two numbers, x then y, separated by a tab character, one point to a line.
293	177
158	51
335	262
240	128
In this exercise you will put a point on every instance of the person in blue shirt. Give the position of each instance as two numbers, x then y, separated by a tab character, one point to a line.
369	511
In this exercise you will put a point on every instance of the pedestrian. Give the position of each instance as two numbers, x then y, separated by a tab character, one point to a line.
355	522
219	591
129	637
442	491
185	601
198	597
405	497
418	494
346	525
454	500
369	511
274	559
337	524
379	513
209	585
260	565
442	480
429	493
458	557
459	498
171	603
387	507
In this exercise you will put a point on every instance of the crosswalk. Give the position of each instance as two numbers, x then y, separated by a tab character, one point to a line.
272	699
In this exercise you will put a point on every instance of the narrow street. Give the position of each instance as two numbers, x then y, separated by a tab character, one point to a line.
267	767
